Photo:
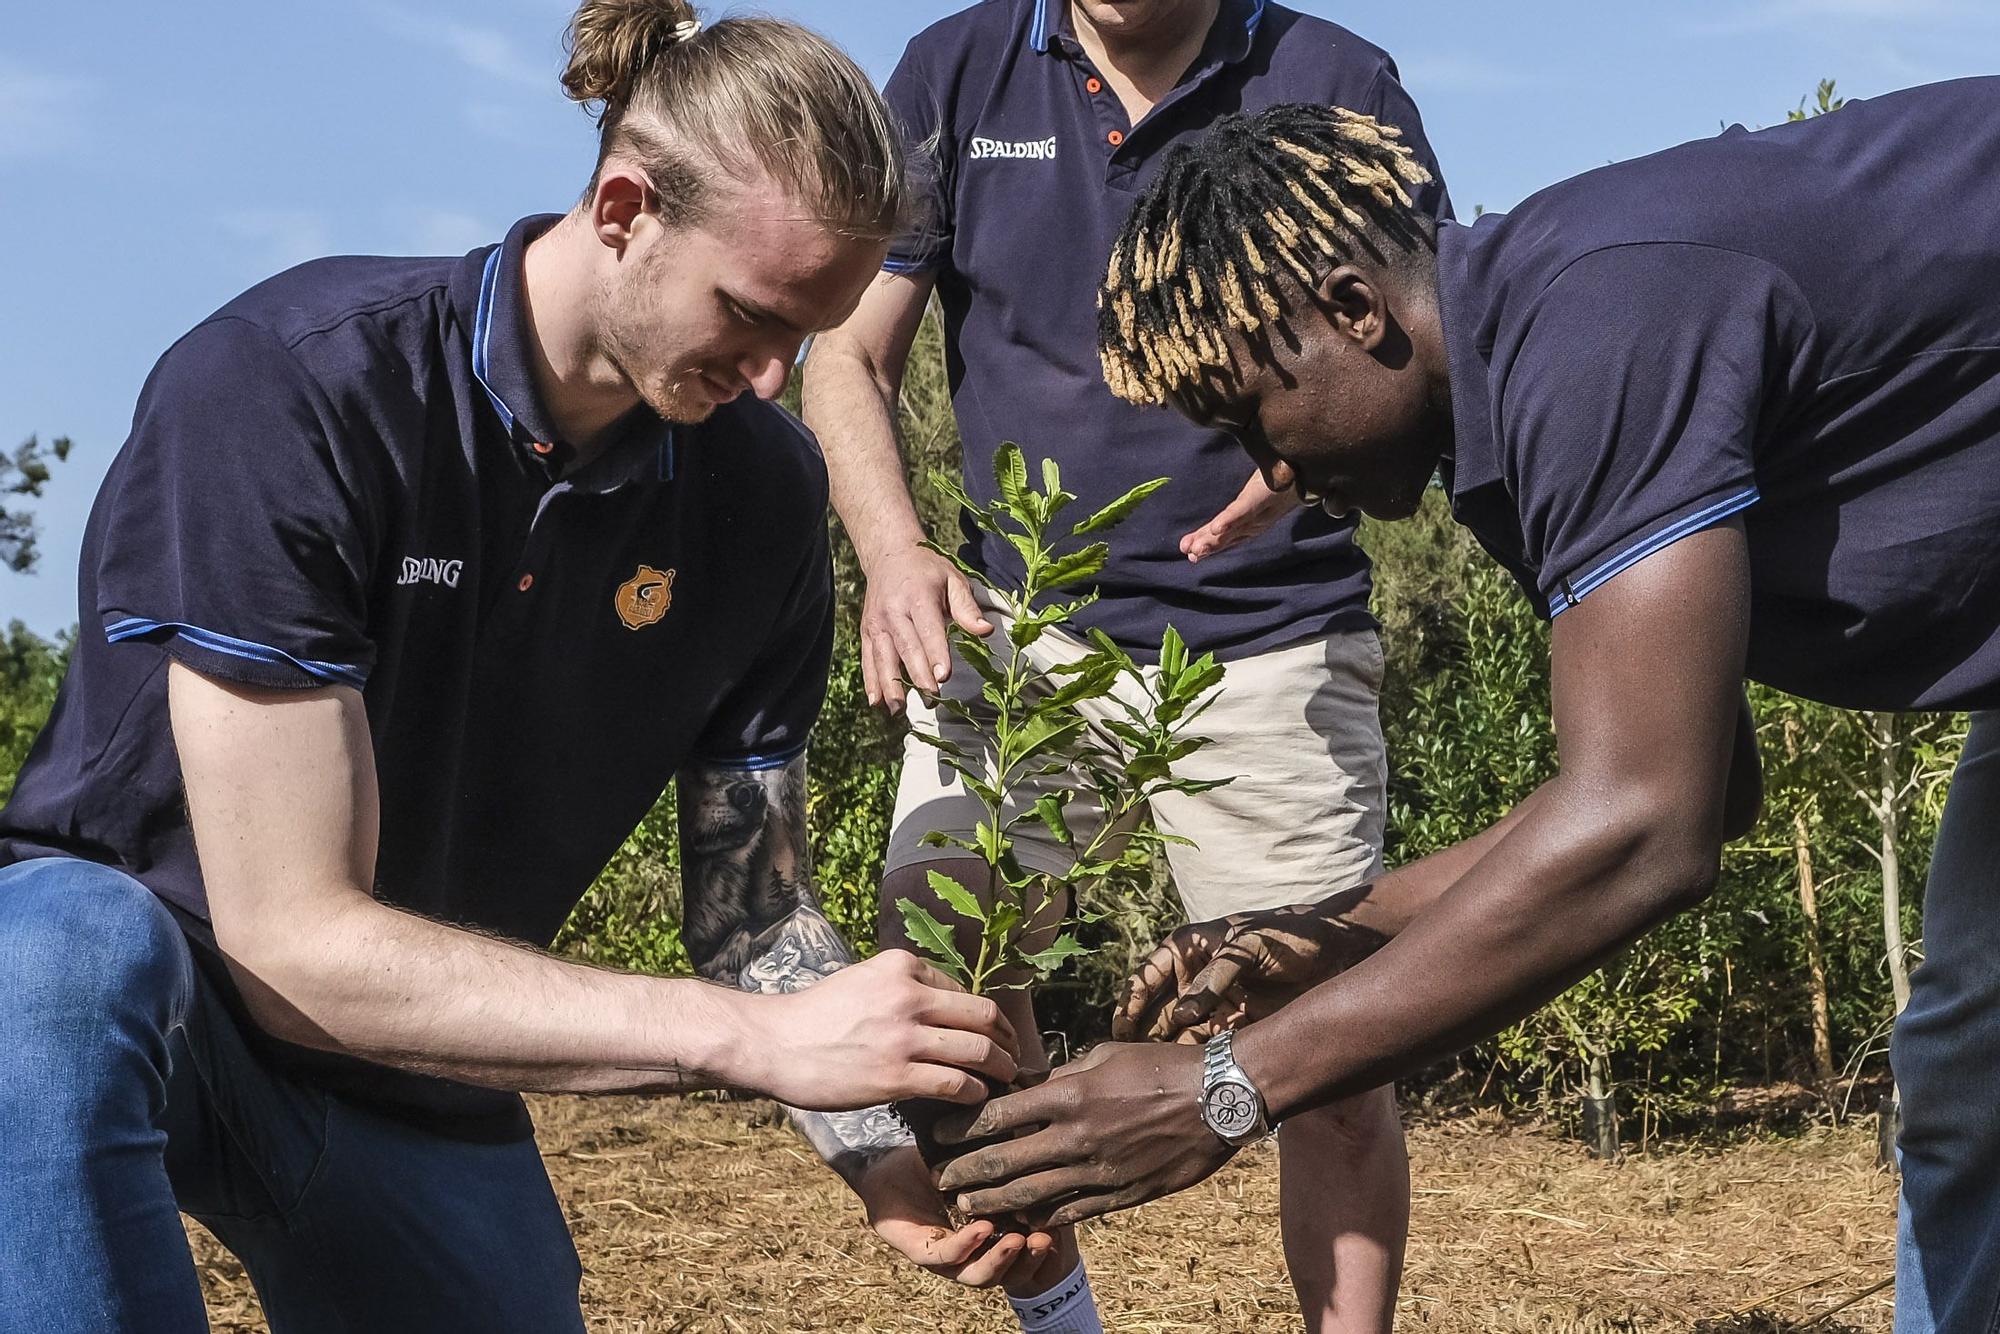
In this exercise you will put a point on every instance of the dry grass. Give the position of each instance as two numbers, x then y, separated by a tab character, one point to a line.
702	1216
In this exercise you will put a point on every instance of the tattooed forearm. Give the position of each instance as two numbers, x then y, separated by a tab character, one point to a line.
751	919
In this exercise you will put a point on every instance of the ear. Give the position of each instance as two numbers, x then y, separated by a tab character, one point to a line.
1356	306
623	196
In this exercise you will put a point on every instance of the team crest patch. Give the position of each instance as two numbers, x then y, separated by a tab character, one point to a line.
645	597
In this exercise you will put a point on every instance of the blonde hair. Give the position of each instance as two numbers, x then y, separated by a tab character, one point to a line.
1291	192
691	104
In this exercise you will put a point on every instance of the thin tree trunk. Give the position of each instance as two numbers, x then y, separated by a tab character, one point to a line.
1822	1019
1600	1109
1887	746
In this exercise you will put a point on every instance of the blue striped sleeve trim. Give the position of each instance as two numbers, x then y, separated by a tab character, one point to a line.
1572	592
758	763
132	627
893	265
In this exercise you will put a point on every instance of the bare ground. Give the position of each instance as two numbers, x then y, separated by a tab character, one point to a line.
694	1216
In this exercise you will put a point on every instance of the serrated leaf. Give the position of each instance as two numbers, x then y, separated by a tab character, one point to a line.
937	742
1064	947
1043	732
1010	474
1120	509
956	897
1076	567
931	936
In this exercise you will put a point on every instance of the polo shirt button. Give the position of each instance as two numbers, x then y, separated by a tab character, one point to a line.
1093	85
542	447
1116	137
527	582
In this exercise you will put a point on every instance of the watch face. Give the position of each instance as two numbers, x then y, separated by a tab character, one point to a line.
1232	1110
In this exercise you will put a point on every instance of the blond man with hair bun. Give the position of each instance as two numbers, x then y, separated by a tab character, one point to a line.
415	584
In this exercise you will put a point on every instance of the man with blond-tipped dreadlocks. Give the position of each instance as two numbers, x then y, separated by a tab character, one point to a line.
1710	442
1047	117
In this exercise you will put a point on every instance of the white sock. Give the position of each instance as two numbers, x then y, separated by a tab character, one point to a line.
1067	1308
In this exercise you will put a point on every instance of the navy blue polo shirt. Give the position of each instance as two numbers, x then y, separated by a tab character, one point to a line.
346	477
1800	327
1037	167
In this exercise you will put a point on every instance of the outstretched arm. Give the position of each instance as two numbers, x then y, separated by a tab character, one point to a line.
1647	692
282	795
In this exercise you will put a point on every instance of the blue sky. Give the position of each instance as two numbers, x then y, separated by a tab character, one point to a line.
156	159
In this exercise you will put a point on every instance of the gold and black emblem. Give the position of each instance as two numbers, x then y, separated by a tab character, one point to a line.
645	597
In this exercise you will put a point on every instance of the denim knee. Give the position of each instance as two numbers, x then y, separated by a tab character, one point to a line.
94	969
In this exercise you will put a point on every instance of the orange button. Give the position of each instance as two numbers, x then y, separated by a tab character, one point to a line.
527	582
1116	137
542	447
1093	85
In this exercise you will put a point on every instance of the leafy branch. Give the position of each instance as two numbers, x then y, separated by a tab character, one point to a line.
1031	725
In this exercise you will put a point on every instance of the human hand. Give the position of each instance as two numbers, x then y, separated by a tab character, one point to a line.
911	597
889	1028
906	1211
1209	976
1115	1129
1256	508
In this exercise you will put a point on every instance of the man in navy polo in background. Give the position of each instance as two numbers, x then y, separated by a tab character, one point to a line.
1729	410
1047	118
415	583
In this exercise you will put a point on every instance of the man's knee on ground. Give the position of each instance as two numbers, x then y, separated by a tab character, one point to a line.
85	952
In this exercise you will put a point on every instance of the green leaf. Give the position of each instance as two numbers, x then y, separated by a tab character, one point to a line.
1051	477
977	652
931	936
1118	510
1044	732
1173	657
956	897
1050	809
1010	474
992	844
1076	567
938	742
1064	947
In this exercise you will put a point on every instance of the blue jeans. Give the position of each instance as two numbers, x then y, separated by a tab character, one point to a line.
1946	1055
128	1096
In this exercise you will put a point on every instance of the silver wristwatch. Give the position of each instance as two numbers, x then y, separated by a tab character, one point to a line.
1230	1104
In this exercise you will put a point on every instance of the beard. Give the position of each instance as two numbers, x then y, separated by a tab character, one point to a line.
680	400
676	397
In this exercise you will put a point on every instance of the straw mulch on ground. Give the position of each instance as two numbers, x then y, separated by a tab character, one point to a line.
695	1216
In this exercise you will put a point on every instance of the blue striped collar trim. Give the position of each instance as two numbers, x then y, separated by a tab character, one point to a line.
482	364
482	332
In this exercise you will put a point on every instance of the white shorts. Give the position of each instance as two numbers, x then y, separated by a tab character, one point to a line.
1299	727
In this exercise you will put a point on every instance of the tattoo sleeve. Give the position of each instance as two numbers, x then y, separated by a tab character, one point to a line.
752	920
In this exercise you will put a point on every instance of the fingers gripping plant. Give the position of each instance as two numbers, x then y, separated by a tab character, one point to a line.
1032	726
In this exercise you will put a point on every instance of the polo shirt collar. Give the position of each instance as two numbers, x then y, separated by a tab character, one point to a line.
1475	454
500	339
490	287
1230	40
